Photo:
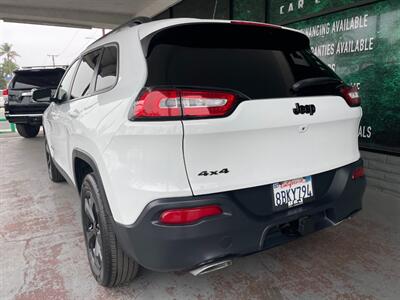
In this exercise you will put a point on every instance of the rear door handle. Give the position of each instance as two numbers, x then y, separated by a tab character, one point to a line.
74	113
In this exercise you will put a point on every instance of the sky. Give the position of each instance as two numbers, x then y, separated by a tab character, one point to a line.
35	42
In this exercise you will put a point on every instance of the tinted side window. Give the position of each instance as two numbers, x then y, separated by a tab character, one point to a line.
84	75
63	90
107	74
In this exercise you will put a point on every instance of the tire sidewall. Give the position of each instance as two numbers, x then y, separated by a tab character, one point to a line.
28	131
48	160
90	185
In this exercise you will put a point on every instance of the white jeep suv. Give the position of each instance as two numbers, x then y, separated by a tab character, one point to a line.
192	142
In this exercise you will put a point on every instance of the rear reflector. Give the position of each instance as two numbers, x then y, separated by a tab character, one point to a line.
350	94
5	92
206	104
189	215
358	173
174	104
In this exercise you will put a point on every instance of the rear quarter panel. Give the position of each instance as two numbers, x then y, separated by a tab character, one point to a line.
138	161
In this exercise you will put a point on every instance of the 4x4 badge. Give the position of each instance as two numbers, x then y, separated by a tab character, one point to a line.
211	173
304	109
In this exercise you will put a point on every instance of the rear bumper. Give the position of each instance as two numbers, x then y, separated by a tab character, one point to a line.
25	113
237	231
31	119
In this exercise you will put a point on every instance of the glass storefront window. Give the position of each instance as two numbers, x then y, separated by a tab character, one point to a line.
250	10
206	9
362	45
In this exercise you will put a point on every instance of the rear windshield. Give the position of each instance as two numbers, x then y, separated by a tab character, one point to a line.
260	62
35	79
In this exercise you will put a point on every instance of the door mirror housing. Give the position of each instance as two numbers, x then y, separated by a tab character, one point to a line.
42	95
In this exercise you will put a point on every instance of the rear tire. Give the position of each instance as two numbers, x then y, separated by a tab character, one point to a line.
27	131
108	262
52	170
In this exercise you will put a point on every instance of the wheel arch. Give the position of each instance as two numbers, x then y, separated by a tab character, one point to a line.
79	155
83	164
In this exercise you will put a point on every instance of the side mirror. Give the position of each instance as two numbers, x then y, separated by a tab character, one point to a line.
42	95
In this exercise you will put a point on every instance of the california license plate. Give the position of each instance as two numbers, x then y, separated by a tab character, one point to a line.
292	193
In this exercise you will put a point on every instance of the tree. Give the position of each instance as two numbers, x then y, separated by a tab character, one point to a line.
9	64
3	83
7	52
8	67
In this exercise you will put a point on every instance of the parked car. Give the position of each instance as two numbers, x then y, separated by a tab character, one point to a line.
192	142
19	106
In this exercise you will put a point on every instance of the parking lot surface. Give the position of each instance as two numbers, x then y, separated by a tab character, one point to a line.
43	256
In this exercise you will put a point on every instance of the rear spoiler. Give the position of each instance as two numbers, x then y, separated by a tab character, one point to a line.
150	30
41	67
154	26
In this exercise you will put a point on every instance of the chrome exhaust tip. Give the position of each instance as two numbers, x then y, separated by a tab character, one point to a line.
208	268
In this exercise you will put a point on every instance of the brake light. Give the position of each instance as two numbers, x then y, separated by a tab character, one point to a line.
189	215
174	104
157	104
255	24
5	96
358	173
351	95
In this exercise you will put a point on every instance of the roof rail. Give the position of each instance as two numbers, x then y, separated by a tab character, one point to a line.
132	22
42	67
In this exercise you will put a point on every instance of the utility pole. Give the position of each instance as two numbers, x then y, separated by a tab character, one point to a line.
53	56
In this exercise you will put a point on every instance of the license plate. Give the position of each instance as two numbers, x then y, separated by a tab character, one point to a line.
292	193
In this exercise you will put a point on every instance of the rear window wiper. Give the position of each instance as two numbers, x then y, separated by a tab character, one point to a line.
313	82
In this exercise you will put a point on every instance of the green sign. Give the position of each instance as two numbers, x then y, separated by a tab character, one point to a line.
363	46
250	10
285	11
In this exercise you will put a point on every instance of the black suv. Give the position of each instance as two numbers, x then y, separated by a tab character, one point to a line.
20	108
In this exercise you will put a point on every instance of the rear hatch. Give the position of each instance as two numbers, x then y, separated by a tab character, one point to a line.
289	116
24	81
